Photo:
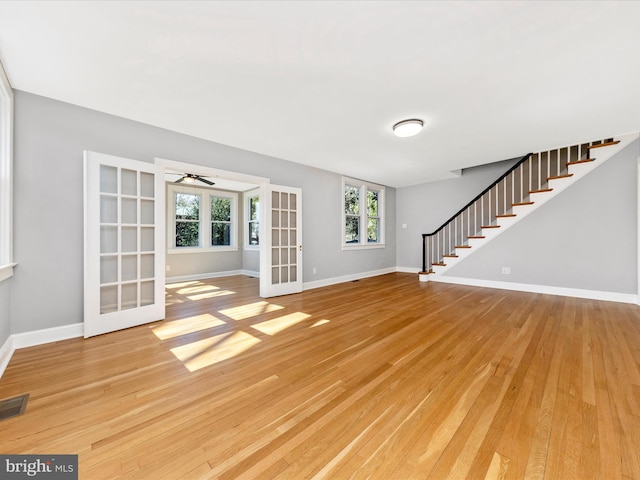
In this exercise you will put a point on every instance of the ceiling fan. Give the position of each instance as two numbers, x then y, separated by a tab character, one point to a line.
191	178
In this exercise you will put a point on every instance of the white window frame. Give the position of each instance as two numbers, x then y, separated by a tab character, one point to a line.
6	177
363	187
205	219
247	217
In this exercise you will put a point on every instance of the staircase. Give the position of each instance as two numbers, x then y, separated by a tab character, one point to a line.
534	180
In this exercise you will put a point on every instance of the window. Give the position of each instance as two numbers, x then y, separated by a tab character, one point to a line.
362	215
6	177
220	220
252	211
187	220
201	219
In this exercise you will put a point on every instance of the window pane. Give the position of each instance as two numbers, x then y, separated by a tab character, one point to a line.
372	203
254	205
254	236
187	234
352	230
373	231
220	234
351	200
220	209
187	206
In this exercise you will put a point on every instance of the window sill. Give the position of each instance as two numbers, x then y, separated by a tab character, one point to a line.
252	248
173	251
362	246
6	271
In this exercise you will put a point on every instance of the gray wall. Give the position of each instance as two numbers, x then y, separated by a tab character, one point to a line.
584	238
50	137
423	208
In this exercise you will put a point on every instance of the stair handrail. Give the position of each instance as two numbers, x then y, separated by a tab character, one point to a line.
477	197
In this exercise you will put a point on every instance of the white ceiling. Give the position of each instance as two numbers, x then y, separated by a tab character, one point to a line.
321	83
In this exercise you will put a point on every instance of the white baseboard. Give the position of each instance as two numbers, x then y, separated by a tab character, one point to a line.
415	270
346	278
203	276
37	337
6	352
47	335
546	289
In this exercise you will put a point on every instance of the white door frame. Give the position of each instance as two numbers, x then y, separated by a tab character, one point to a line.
211	172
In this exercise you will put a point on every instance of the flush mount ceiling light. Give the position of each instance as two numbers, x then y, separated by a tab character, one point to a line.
408	128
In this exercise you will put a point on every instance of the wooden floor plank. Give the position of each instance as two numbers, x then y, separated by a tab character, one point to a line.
384	378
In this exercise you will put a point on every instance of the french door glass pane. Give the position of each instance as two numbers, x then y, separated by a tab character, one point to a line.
129	210
146	293
129	182
147	265
108	179
129	267
108	239
109	269
108	209
109	299
129	296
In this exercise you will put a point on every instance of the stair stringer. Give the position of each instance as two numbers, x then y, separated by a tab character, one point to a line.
558	185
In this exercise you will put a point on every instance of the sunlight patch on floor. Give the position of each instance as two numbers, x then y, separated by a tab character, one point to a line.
210	351
176	328
219	293
250	310
320	322
276	325
173	286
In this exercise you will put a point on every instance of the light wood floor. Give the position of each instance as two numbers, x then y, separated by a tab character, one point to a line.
384	378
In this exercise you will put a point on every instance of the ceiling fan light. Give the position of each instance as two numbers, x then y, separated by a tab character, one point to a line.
408	128
189	179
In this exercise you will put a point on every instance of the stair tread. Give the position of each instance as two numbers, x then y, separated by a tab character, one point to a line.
490	226
450	256
521	203
505	215
542	190
578	162
462	246
607	144
439	264
476	236
560	176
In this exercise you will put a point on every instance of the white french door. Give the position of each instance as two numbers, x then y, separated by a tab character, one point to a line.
124	243
281	235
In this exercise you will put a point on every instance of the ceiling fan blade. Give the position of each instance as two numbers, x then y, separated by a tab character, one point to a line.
204	180
179	180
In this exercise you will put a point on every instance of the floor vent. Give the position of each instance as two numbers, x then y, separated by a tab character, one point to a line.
12	407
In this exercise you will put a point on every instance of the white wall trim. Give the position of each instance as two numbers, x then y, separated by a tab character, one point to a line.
47	335
204	276
415	270
6	352
346	278
37	337
638	226
546	289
